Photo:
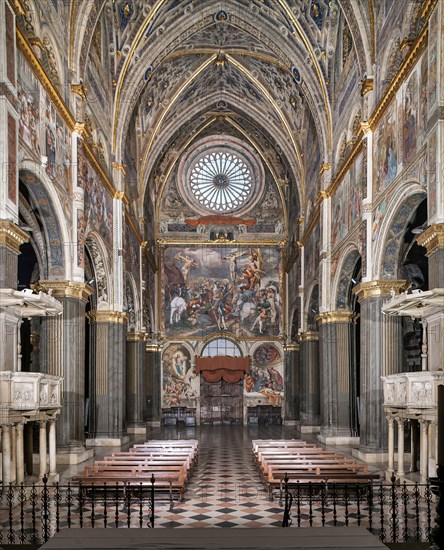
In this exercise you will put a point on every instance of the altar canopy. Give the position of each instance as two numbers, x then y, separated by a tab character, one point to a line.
223	367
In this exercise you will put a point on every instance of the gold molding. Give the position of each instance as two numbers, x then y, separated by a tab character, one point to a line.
11	236
106	316
372	30
324	167
136	336
71	31
338	316
373	289
18	7
406	67
80	128
119	195
194	242
427	9
309	336
432	238
65	289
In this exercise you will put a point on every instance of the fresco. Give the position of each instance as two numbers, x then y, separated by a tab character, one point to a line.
410	119
340	205
98	213
311	255
432	166
180	383
131	252
356	191
433	62
266	375
233	289
385	165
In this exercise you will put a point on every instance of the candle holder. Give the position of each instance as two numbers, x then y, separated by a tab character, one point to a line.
437	533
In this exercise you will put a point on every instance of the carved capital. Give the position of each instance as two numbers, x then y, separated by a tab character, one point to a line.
309	336
119	195
366	86
65	289
432	238
80	90
339	316
119	167
11	236
372	289
117	317
136	336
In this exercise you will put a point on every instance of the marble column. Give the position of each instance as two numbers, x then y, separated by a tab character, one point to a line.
339	418
381	354
108	378
413	445
424	449
391	447
135	382
53	476
292	399
153	384
62	353
6	454
19	454
309	382
401	472
43	468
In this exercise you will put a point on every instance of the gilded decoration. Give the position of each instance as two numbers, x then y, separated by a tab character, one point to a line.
11	236
339	316
432	238
373	289
309	336
65	289
116	317
136	336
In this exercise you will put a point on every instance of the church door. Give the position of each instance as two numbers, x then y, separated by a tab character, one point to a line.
221	402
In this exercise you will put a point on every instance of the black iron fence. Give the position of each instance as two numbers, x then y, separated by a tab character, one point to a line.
393	512
33	514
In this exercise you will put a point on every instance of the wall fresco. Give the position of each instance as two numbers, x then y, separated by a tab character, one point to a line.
233	289
266	375
410	119
386	152
180	383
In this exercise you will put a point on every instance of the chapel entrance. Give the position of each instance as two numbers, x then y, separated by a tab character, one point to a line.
221	402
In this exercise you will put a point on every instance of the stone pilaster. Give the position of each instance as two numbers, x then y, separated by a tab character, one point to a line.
381	354
152	384
135	382
108	378
62	353
292	398
11	238
339	422
309	382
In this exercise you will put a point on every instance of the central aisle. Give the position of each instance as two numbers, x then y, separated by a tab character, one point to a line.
225	489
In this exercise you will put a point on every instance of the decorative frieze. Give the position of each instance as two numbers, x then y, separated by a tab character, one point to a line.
11	236
432	238
418	390
118	317
372	289
65	289
339	316
30	391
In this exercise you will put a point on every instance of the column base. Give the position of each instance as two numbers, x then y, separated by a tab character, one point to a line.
53	478
73	456
368	455
290	422
338	439
309	429
107	441
135	430
153	423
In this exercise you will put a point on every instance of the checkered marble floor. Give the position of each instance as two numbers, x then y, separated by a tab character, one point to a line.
225	488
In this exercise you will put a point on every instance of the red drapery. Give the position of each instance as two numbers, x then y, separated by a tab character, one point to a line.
223	367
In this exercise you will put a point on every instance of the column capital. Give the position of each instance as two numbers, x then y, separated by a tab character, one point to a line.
423	423
11	236
309	336
338	316
151	347
373	289
136	336
65	289
400	420
107	316
292	347
432	238
390	418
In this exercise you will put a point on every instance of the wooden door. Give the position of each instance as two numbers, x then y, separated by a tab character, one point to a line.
221	402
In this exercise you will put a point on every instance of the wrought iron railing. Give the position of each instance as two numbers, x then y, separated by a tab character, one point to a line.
392	512
33	514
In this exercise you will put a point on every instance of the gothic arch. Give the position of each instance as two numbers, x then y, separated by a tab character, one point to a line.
343	280
102	273
52	218
402	208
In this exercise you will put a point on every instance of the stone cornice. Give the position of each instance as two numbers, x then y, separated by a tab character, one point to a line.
11	236
107	316
338	316
136	336
65	289
373	289
309	336
432	238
